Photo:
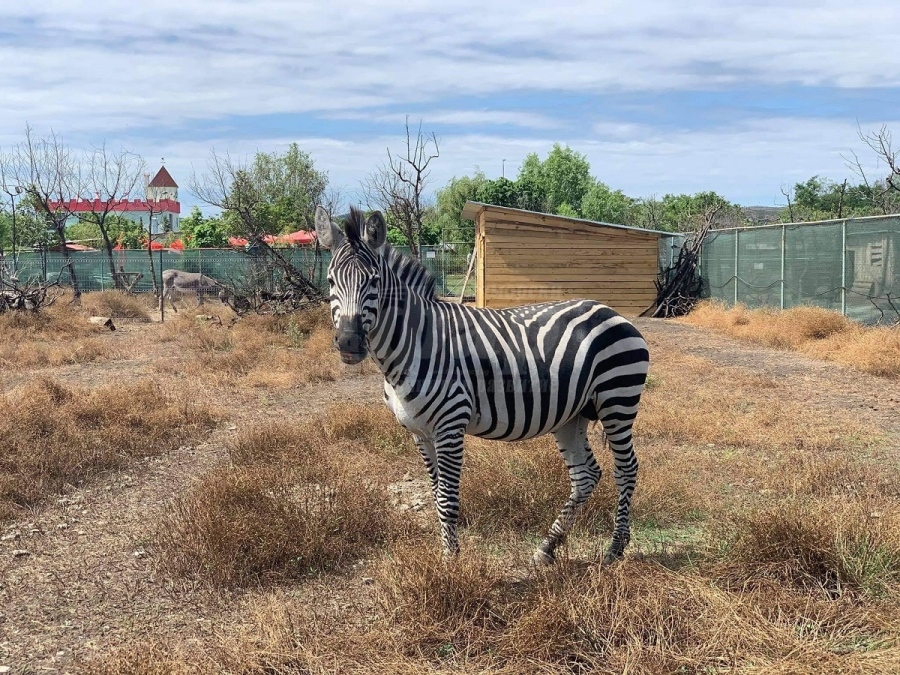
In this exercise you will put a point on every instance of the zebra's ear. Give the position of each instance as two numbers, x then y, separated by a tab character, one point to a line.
376	231
328	234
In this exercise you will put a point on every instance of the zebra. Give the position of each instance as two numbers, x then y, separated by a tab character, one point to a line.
452	370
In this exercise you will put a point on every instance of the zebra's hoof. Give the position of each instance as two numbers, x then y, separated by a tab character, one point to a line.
542	559
613	555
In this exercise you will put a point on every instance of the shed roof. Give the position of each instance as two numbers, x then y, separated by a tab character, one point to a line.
472	209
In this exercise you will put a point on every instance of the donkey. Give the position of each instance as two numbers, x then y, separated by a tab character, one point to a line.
190	282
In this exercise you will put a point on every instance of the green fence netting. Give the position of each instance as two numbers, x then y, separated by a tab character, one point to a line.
237	268
851	266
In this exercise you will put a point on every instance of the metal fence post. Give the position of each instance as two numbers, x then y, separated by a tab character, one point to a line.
737	234
783	246
844	267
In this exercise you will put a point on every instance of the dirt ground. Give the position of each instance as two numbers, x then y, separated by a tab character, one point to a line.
88	582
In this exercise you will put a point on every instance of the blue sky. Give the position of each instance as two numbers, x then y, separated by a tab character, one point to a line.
738	97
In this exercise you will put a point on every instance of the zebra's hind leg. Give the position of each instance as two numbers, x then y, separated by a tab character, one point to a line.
583	476
448	450
625	469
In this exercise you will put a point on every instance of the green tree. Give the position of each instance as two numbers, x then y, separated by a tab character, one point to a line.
211	233
499	192
608	206
6	231
823	199
447	219
198	231
531	186
567	178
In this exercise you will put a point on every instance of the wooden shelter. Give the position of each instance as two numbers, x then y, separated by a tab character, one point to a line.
525	257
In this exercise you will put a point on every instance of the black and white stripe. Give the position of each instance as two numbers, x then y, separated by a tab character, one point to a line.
451	370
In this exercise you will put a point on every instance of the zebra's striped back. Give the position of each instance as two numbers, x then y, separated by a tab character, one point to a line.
523	372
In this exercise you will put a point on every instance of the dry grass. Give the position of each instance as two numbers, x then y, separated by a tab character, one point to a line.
52	437
818	332
470	616
693	401
58	335
297	501
791	526
115	304
273	351
829	545
520	488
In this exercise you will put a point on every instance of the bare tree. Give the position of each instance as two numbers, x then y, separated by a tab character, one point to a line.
885	192
788	195
398	186
45	169
228	185
108	179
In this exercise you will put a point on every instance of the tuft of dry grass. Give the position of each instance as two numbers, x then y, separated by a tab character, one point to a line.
836	546
298	501
435	608
52	436
814	331
115	304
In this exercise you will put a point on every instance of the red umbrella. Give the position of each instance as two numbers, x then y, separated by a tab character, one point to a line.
237	241
300	237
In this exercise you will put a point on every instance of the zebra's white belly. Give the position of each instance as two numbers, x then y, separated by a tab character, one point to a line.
405	414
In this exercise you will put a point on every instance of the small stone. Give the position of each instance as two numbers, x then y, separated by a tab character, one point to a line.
62	526
407	477
34	531
20	553
5	669
11	536
60	653
367	581
140	554
232	427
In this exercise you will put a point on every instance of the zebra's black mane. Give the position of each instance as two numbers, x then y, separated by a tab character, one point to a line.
410	271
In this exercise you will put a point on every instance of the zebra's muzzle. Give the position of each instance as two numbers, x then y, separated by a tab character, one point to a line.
350	340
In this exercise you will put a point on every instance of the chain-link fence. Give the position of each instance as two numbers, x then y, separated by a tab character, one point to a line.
235	268
851	266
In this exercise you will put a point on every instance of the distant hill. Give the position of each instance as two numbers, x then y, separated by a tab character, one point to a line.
762	215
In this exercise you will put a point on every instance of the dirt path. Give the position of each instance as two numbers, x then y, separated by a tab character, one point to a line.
818	385
88	583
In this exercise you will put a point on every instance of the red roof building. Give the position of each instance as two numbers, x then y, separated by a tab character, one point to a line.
160	197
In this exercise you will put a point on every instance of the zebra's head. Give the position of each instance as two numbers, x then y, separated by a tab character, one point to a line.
353	277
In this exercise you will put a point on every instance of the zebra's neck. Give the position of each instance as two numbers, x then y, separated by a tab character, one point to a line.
404	320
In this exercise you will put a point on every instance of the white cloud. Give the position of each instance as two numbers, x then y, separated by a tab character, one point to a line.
111	64
137	72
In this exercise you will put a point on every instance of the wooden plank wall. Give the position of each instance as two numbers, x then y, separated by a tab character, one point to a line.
527	258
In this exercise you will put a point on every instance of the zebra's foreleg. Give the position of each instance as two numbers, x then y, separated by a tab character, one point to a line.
583	476
448	446
625	469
